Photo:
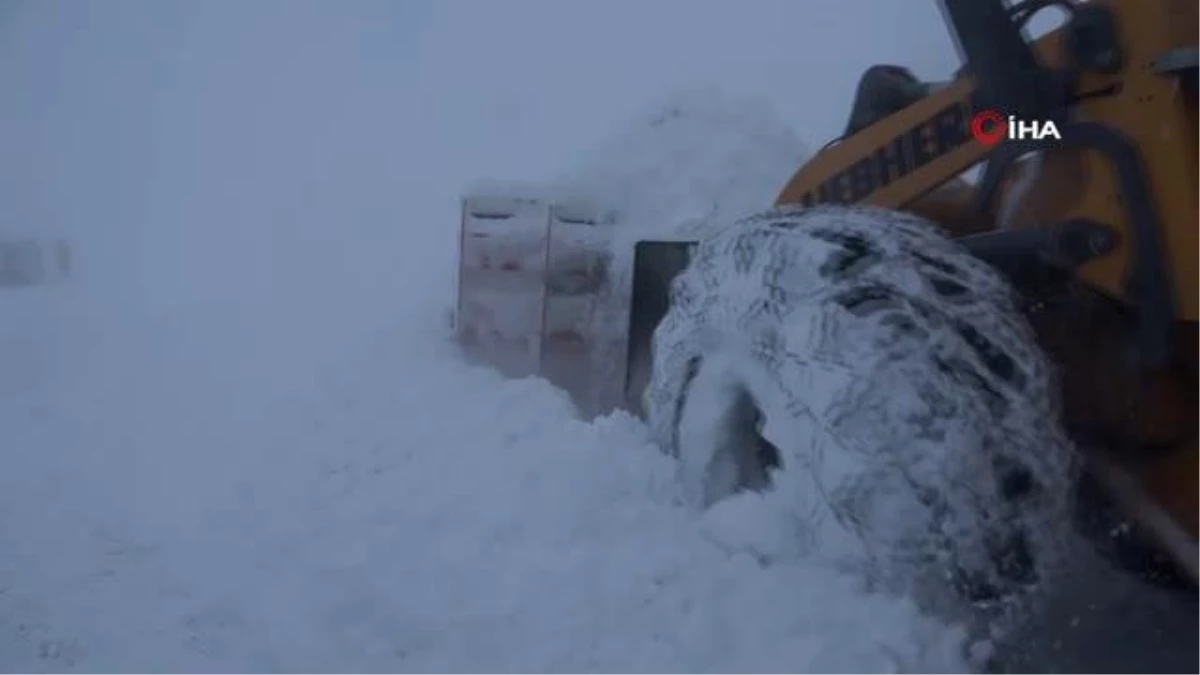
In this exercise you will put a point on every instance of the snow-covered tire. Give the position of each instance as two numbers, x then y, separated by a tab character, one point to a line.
884	383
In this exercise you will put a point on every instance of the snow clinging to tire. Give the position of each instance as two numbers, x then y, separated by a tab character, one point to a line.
882	380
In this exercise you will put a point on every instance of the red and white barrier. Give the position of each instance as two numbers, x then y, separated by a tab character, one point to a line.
531	276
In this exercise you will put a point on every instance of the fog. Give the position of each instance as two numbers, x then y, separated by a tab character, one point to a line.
256	181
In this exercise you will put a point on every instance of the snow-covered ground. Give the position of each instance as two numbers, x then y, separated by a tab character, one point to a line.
240	439
414	515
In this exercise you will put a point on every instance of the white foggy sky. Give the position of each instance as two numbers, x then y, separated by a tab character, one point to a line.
256	174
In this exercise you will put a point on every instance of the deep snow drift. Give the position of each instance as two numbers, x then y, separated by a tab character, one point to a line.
186	489
413	513
369	528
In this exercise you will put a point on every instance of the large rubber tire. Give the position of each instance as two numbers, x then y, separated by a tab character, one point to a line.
880	380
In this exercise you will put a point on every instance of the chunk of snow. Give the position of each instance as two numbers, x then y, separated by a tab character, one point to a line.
697	156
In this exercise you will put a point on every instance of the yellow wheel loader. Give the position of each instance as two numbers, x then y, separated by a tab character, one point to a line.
1008	351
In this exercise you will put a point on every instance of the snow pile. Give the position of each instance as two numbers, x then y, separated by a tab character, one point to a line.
416	515
520	538
697	157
